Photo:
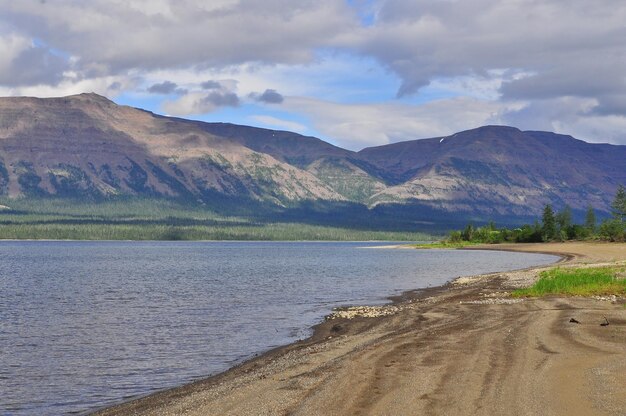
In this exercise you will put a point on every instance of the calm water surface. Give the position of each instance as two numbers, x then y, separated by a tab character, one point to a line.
88	324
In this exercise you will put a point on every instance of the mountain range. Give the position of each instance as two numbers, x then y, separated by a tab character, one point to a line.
86	146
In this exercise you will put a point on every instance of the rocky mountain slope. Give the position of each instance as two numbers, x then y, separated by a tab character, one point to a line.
502	169
87	146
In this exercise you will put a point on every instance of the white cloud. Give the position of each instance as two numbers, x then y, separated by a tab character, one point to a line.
10	48
571	48
279	123
551	64
109	86
201	102
23	63
568	115
120	35
356	126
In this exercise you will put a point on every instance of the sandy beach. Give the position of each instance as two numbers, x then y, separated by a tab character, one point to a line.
466	348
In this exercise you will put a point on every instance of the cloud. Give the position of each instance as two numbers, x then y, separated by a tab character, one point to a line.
165	88
611	104
116	36
109	86
269	97
23	63
355	126
570	50
544	64
201	102
570	47
206	97
568	115
210	85
115	86
282	124
221	99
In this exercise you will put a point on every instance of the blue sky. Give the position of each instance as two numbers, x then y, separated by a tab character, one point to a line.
354	72
352	79
337	77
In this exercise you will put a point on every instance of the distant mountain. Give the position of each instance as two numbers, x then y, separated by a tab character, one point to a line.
86	146
496	169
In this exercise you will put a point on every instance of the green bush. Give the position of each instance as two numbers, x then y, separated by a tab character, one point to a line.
613	230
455	237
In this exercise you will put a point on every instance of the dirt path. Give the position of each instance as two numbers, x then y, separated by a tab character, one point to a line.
462	349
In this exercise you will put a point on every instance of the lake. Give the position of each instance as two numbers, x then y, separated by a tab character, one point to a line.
89	324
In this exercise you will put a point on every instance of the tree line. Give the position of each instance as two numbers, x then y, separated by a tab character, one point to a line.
554	226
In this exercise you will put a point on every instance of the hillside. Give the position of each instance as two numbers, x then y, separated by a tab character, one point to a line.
87	147
502	169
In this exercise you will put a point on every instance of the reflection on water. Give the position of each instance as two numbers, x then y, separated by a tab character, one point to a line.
86	324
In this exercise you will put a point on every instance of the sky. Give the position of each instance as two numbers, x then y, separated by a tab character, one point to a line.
356	73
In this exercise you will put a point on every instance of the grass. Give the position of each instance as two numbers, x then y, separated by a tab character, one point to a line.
578	282
446	244
138	219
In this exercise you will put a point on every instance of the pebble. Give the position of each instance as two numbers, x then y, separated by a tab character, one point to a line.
491	301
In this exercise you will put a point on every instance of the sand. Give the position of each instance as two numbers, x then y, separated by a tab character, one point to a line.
466	348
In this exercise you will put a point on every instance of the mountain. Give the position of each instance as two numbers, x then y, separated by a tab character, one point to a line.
500	170
86	146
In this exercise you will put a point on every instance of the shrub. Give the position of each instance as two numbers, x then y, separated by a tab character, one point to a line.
612	230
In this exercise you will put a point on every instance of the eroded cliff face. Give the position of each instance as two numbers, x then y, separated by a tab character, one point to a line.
87	146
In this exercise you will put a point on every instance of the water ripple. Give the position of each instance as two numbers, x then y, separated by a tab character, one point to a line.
87	324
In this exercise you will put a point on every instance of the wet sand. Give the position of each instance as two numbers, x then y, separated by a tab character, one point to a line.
464	348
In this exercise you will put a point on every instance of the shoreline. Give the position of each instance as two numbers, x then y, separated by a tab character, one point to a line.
338	337
392	243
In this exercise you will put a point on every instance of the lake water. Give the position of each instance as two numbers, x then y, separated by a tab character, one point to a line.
88	324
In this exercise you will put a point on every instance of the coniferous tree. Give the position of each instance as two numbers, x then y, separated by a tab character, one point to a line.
468	232
590	220
548	229
619	204
564	220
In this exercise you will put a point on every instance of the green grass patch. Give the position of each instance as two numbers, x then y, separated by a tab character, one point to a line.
447	244
578	282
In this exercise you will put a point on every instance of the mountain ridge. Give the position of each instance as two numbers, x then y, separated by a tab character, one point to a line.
87	146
